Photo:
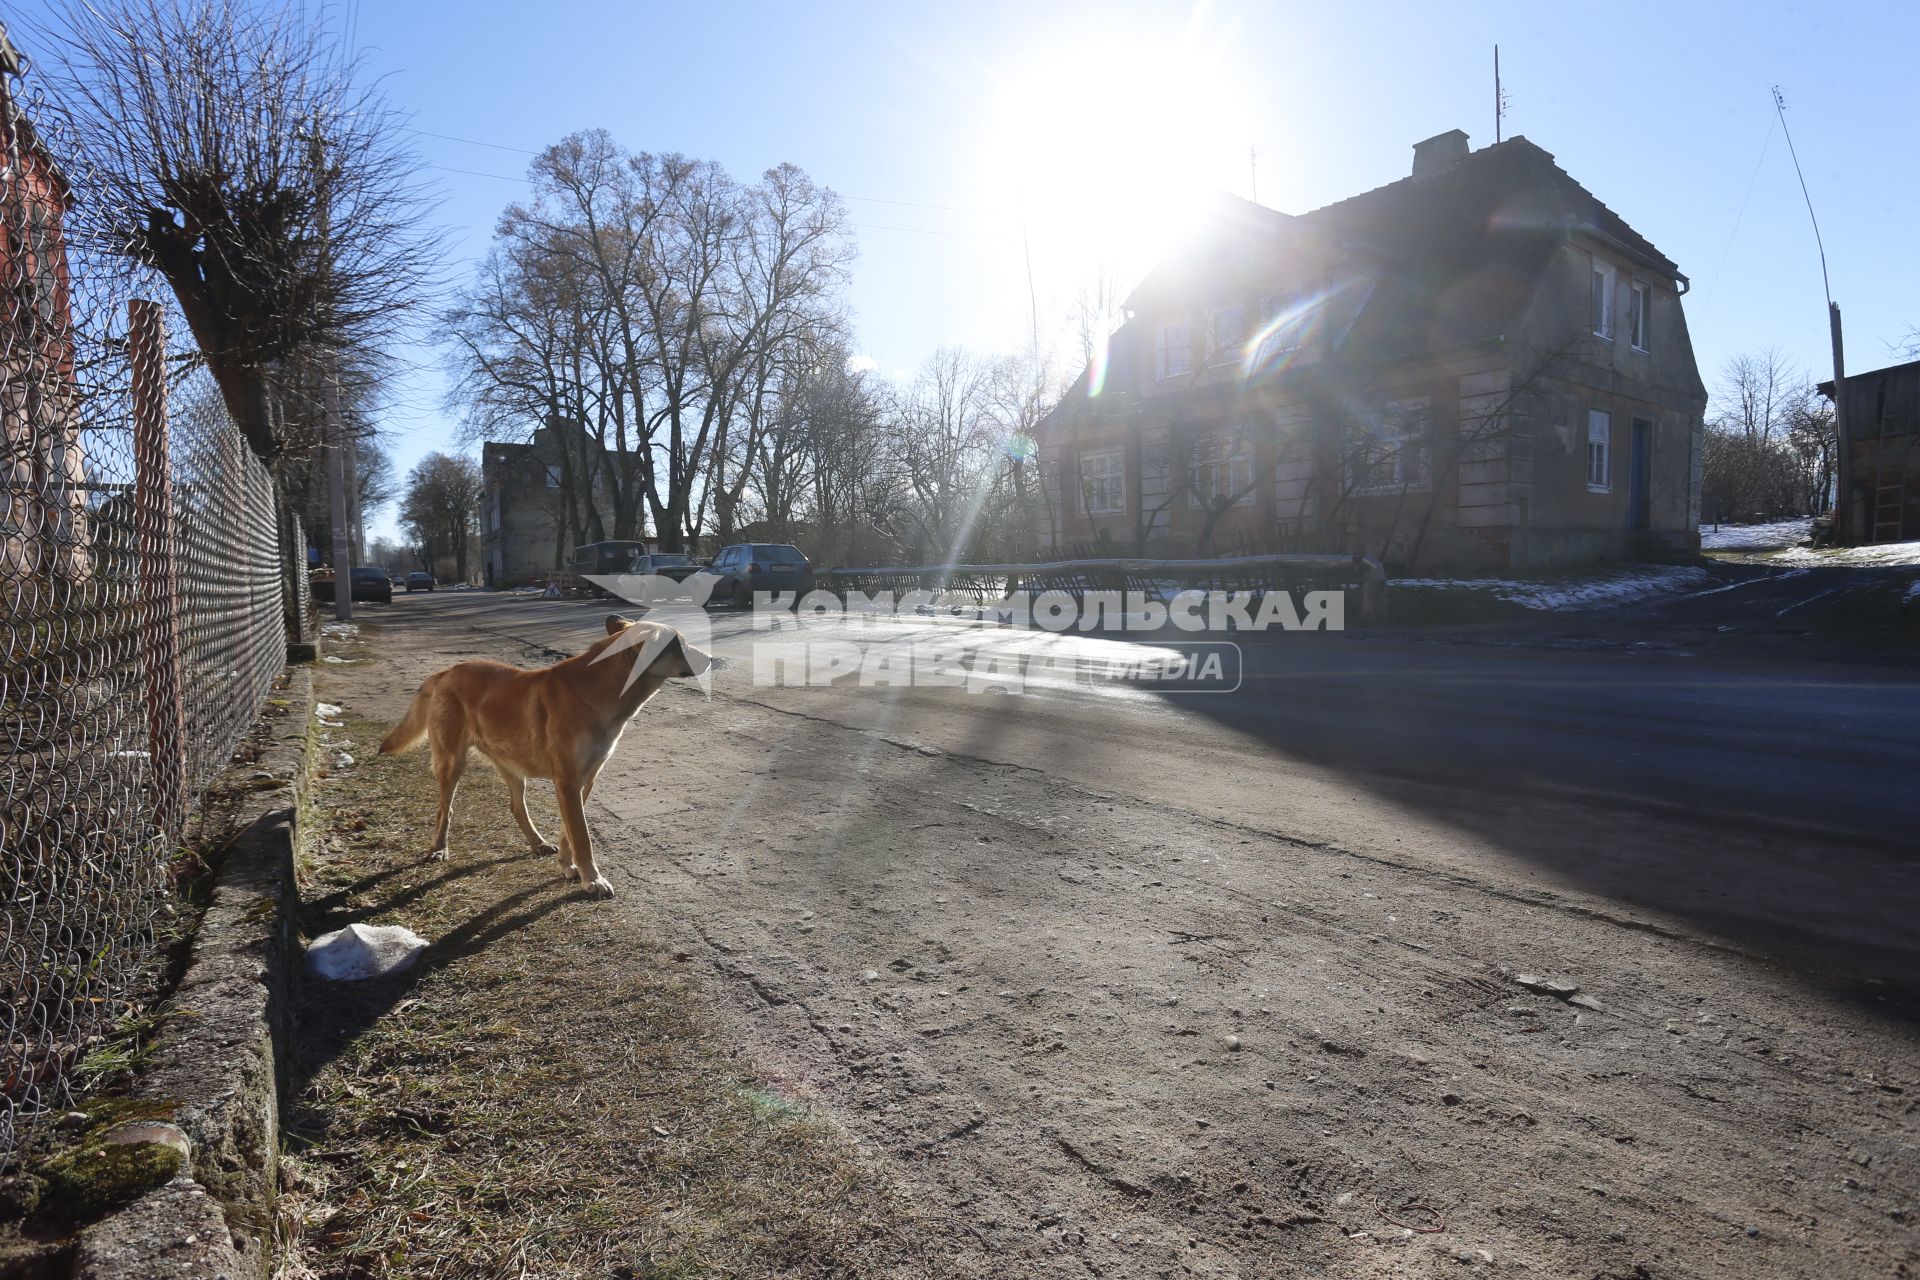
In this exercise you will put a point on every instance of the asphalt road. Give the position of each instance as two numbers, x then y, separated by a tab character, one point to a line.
1133	983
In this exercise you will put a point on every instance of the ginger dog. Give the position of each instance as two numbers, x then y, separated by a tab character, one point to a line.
559	722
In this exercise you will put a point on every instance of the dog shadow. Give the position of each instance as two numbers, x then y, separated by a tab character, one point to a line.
328	1017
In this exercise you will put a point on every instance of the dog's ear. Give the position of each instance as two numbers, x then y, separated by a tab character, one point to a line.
615	624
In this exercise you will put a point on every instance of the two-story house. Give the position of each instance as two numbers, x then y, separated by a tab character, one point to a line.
1480	365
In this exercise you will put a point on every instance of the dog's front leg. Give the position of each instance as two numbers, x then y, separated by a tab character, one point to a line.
573	820
517	801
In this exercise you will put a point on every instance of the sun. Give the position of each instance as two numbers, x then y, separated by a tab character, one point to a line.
1106	150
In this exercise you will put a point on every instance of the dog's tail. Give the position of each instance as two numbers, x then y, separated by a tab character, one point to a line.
412	730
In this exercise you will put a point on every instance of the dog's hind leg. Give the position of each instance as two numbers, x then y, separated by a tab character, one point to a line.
449	762
517	801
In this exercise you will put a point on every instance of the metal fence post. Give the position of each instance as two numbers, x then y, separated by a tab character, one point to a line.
159	575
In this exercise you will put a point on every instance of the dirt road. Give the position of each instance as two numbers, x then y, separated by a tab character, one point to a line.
1117	989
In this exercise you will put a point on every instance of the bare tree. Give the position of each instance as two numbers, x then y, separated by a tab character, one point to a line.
1755	393
441	510
234	148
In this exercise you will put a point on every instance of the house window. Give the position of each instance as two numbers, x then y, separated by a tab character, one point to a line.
1602	300
553	477
1226	333
1282	327
1391	454
1599	451
1220	468
1103	482
1637	318
1176	349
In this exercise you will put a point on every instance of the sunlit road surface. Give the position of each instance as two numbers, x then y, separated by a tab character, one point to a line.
1097	967
1829	746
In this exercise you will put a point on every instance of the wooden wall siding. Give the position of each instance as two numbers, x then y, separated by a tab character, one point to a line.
1485	495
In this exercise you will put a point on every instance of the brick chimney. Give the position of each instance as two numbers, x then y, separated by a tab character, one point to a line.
1438	154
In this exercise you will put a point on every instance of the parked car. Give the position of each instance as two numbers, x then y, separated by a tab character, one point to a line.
419	580
597	559
372	583
661	576
747	567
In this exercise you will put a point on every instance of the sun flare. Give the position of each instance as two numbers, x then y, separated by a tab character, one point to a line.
1108	152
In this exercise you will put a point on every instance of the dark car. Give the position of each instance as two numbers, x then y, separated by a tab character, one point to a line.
370	583
748	567
419	581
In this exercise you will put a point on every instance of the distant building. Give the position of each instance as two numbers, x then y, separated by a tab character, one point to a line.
43	516
531	514
1480	365
1882	415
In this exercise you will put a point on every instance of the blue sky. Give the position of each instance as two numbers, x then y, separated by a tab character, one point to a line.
983	109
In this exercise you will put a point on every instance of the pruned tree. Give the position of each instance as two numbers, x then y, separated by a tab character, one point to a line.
235	149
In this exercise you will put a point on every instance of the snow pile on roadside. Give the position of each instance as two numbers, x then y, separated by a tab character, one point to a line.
1770	536
1878	555
1618	586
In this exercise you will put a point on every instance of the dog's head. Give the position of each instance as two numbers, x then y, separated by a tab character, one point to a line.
665	651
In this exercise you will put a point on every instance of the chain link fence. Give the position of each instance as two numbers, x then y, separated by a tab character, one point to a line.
141	628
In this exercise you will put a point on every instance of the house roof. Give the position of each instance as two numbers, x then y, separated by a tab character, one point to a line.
1442	261
1459	253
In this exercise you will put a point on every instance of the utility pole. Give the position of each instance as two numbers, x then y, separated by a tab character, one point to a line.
1843	519
337	478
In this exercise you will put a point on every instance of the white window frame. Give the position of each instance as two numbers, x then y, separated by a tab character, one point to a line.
1599	451
1401	439
1639	315
1175	354
1112	471
1215	456
1606	279
1219	352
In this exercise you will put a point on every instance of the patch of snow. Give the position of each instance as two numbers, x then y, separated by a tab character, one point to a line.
1619	586
1913	593
364	951
1770	536
343	662
327	714
344	629
1872	556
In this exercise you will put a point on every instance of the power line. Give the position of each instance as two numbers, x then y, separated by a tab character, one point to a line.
474	142
1737	218
501	146
928	231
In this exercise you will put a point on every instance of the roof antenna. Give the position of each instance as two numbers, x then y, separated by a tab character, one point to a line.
1499	96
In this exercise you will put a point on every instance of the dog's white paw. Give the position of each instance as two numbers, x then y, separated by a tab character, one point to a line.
438	855
546	851
600	888
571	872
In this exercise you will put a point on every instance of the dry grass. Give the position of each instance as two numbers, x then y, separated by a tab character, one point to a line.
541	1096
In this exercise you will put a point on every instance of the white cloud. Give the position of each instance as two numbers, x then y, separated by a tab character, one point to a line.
862	364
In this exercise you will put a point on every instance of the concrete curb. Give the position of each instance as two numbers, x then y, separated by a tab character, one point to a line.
215	1061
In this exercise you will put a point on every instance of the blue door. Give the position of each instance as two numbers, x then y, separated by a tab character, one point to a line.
1640	475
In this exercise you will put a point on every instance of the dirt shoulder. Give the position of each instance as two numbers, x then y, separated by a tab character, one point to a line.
1082	1025
545	1093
